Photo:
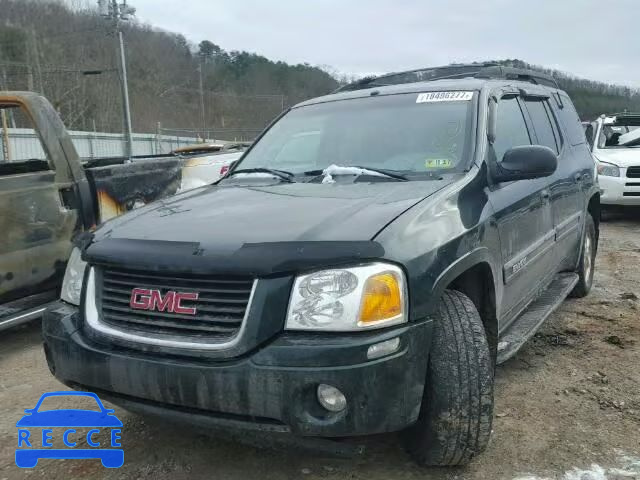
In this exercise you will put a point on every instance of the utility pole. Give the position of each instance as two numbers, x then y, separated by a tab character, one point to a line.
36	57
117	13
29	54
6	147
204	121
125	98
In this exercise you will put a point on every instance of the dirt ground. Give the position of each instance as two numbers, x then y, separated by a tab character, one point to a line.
567	406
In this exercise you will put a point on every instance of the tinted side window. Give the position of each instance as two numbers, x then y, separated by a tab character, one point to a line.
541	124
554	124
511	129
571	122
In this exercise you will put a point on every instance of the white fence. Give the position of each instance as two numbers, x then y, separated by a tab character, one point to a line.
24	144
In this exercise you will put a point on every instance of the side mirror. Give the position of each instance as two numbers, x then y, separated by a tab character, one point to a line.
525	163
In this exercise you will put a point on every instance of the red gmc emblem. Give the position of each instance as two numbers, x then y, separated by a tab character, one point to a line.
147	299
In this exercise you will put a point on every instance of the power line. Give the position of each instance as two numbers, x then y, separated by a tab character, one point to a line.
22	41
60	69
232	95
65	34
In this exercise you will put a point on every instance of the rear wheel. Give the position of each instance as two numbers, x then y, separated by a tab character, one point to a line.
587	260
457	407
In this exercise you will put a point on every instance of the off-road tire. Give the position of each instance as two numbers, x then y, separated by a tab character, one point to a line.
457	406
586	267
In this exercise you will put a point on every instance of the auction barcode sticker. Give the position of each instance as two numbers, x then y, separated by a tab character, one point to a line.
444	97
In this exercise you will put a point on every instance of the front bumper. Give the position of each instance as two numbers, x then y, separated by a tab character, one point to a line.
271	388
619	190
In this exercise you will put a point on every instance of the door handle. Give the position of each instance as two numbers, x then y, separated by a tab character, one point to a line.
545	195
577	177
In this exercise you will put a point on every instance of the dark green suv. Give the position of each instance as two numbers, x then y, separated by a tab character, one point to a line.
361	269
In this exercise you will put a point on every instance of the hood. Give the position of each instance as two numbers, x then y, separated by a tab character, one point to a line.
620	156
217	222
226	216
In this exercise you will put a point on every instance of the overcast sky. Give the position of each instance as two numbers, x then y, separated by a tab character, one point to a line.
595	39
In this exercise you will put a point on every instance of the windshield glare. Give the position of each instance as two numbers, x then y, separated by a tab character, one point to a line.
392	132
610	135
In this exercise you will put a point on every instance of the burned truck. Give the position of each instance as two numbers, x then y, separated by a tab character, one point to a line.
48	195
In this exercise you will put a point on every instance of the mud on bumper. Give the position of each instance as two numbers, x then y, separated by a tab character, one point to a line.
273	388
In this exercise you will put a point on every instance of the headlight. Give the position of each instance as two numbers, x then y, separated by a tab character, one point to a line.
73	276
347	299
608	169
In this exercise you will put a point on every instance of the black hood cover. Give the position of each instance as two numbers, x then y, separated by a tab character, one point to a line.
258	230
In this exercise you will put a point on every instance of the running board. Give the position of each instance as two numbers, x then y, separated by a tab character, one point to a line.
21	317
530	320
25	309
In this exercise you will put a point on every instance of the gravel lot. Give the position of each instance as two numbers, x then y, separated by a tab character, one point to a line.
568	405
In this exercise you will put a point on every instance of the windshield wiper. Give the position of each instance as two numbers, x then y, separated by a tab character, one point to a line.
383	171
281	174
357	170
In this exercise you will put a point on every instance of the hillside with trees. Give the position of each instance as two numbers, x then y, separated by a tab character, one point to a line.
591	98
66	51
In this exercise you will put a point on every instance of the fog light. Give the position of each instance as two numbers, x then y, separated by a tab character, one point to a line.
331	398
383	348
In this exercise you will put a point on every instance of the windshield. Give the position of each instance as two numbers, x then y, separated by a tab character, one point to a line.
411	133
610	135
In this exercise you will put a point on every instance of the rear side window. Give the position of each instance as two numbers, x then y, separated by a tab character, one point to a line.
554	124
571	122
542	124
511	129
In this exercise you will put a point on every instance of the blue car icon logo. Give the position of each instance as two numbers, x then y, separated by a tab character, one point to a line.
34	445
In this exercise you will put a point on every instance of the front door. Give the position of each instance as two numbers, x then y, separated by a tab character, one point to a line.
36	221
523	214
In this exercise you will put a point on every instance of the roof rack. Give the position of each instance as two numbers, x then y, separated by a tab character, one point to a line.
470	70
623	114
625	118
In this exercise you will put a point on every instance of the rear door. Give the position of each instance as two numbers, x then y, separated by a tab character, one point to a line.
571	180
37	220
523	215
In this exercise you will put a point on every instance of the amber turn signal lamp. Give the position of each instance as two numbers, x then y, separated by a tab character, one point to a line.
382	299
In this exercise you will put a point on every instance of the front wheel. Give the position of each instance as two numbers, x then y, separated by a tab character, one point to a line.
587	260
457	406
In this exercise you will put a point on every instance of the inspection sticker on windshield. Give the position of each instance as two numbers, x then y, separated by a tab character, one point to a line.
437	163
430	97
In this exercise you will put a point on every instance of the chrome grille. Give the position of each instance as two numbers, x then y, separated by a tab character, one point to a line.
633	172
220	308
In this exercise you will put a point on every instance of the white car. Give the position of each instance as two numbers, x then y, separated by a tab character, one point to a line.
615	143
207	163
